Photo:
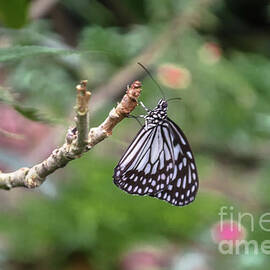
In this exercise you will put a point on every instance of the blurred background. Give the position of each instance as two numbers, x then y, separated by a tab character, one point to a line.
212	54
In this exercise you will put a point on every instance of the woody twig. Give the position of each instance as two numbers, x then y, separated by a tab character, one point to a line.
78	139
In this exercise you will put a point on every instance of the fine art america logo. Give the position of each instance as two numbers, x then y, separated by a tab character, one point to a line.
231	236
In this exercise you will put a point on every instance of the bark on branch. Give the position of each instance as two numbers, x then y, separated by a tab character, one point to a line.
78	139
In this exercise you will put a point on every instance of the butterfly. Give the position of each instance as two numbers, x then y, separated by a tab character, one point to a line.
159	161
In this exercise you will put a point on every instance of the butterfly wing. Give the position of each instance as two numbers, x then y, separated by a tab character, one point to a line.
184	184
145	167
159	163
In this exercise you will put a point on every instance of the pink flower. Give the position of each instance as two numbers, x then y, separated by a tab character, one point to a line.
144	258
228	230
174	76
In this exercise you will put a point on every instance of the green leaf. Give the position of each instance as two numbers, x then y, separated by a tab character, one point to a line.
32	114
19	52
13	13
28	112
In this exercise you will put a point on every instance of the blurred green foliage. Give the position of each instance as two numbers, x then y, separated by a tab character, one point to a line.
224	113
14	13
92	214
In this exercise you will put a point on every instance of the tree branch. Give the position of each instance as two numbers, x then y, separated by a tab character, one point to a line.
78	139
82	118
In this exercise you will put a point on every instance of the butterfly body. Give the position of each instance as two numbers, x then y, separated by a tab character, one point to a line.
159	162
158	115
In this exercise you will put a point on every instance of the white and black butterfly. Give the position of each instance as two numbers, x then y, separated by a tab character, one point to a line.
159	162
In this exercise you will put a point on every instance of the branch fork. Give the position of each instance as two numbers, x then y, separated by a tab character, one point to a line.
79	139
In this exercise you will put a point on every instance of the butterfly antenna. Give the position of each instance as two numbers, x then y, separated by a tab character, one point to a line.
175	98
150	75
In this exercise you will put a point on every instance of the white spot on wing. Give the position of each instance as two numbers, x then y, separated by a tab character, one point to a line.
154	169
185	162
182	140
155	147
176	151
167	152
184	182
189	175
189	154
147	168
161	159
178	182
174	172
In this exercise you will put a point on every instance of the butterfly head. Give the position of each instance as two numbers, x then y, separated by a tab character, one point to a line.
158	114
162	105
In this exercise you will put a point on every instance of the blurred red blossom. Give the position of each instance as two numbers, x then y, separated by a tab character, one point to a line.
228	230
147	257
174	76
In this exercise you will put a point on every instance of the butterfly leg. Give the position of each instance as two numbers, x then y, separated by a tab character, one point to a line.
136	118
146	109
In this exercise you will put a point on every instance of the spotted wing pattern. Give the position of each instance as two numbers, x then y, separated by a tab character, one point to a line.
184	185
143	169
159	163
